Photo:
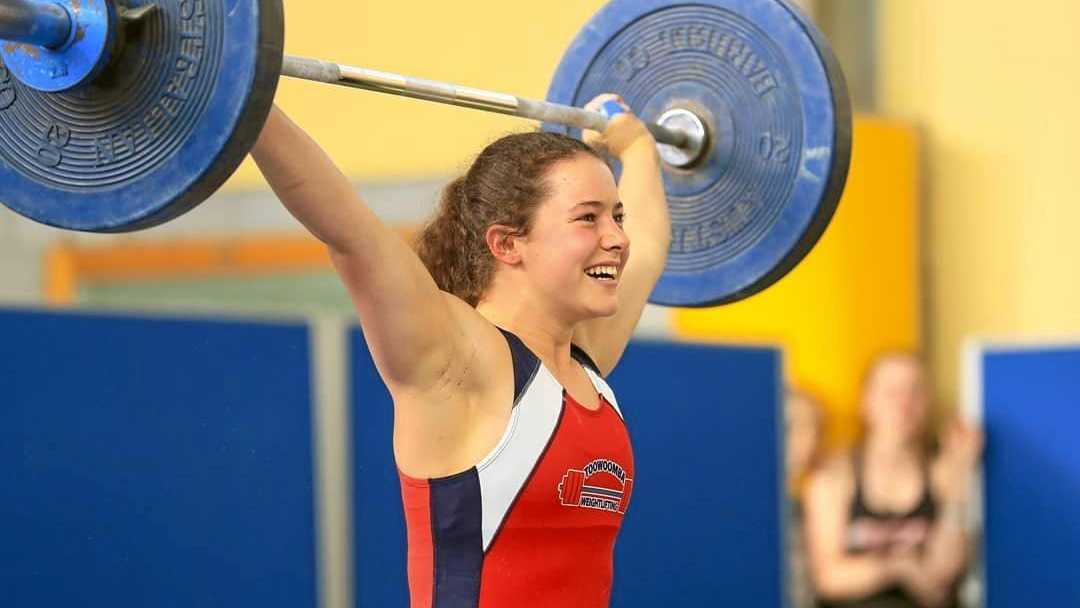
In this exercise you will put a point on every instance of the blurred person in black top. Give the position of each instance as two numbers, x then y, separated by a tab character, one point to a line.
886	523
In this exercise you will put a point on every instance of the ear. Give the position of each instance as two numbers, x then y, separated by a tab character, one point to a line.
504	244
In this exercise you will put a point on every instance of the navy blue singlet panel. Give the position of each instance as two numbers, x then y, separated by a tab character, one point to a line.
525	363
583	358
154	462
1031	410
459	545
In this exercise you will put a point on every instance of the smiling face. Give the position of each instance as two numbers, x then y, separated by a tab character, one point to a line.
576	249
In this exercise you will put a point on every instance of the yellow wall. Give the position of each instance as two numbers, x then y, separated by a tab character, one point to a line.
995	88
510	47
856	293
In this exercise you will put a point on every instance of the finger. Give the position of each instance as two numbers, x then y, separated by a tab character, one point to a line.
608	104
612	108
597	102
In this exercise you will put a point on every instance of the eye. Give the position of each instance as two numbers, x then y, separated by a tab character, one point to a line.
620	217
588	217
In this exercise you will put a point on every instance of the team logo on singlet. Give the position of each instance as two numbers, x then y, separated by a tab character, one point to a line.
601	485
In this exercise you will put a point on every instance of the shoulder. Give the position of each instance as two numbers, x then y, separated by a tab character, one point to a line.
833	478
475	330
449	426
479	356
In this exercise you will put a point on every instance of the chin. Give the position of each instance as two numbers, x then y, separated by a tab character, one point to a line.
590	305
600	312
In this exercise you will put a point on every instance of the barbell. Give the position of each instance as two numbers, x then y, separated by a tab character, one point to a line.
120	115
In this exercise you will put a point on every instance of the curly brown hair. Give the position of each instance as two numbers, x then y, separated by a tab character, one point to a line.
504	186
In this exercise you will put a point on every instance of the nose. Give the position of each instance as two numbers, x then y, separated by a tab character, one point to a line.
614	237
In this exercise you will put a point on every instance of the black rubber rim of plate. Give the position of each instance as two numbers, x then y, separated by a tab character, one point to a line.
565	86
834	189
249	126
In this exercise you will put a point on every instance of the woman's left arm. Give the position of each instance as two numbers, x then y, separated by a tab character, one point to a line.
947	548
931	575
647	225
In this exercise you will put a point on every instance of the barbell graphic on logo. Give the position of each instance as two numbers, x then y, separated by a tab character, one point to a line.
601	484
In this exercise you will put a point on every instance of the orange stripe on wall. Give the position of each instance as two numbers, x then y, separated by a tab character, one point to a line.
66	266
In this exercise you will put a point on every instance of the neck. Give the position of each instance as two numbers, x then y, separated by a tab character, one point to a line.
544	333
890	449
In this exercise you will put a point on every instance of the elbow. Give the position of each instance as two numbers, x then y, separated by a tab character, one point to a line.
287	179
347	259
654	247
341	250
290	186
946	574
659	237
837	581
665	241
827	586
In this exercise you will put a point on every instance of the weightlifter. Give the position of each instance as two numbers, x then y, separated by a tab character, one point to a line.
495	336
494	340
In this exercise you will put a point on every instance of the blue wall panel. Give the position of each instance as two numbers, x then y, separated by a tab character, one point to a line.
704	525
1031	408
153	462
378	520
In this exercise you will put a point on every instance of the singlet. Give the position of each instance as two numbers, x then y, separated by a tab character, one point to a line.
870	531
534	523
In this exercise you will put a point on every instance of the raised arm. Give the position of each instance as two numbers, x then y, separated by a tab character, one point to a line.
947	548
410	326
931	574
641	190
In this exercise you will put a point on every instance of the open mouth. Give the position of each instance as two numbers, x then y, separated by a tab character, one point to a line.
603	273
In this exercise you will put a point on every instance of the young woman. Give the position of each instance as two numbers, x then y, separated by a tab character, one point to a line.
885	525
515	466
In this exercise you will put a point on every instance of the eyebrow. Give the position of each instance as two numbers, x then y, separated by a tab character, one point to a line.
618	205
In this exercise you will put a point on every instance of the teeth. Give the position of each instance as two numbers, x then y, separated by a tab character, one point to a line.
605	272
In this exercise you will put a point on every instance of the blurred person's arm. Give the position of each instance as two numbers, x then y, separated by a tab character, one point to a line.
835	574
947	547
931	576
946	554
920	582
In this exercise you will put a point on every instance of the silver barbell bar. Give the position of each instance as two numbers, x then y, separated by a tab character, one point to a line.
683	137
468	97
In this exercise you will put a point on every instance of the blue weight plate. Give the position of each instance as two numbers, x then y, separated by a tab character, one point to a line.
157	132
772	96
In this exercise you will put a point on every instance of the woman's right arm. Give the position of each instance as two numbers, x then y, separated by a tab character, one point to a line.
410	326
835	574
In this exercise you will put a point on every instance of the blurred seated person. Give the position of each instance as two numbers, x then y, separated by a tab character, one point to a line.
803	422
885	524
